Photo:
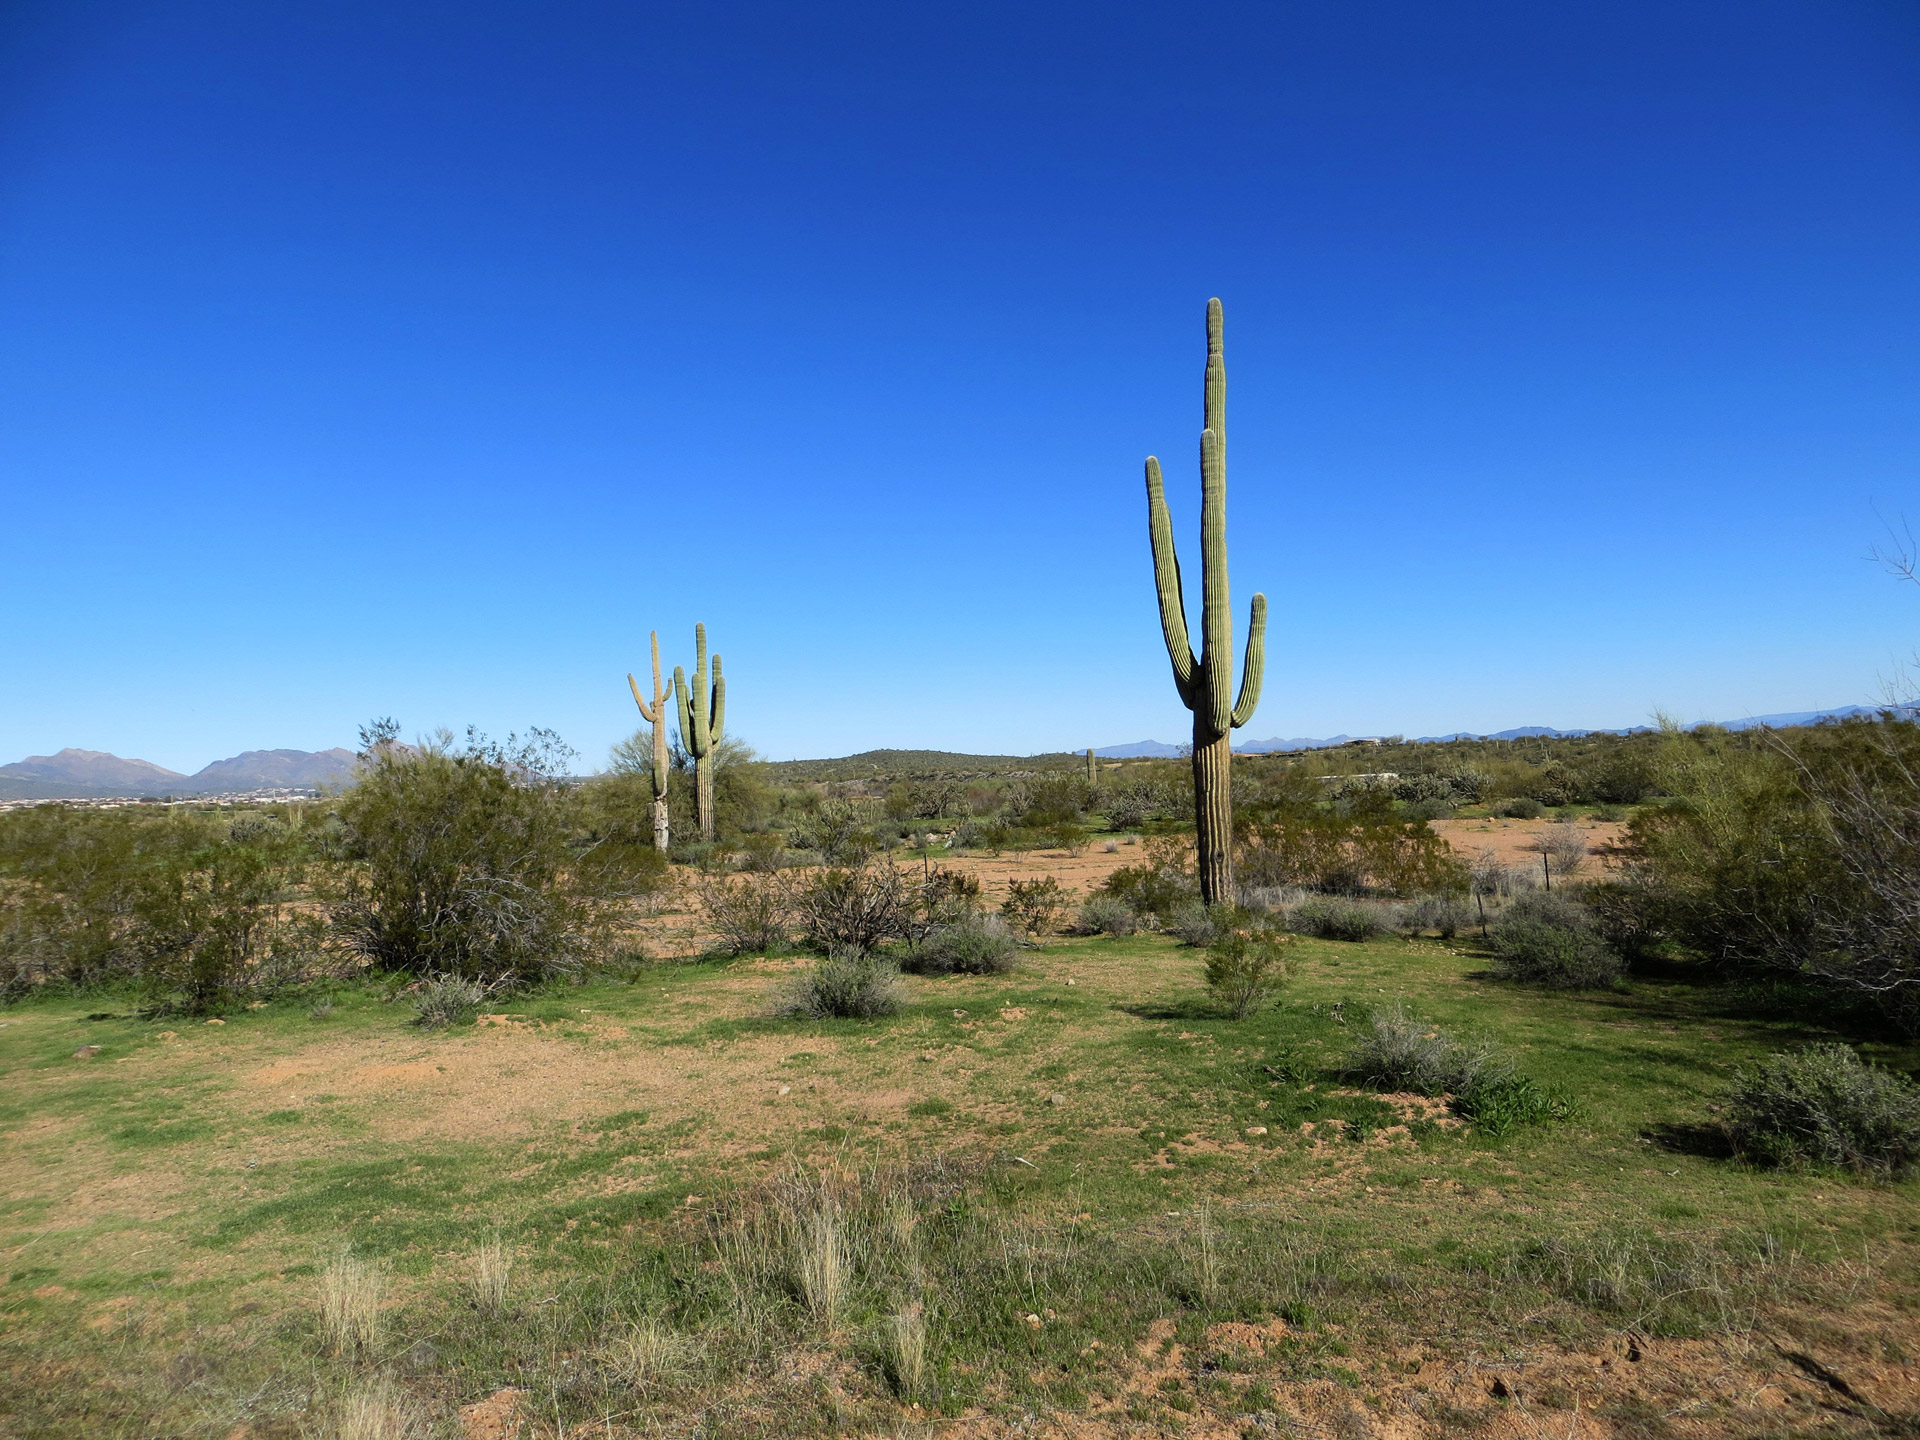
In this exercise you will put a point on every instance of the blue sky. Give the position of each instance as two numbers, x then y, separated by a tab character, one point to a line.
418	359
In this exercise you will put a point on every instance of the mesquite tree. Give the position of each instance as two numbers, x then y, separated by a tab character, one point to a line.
1206	684
702	717
656	716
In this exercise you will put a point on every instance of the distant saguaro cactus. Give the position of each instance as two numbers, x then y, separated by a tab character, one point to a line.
656	716
1206	684
1093	770
703	715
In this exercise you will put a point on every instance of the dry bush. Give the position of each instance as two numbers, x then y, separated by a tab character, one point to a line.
749	912
846	985
854	908
350	1293
823	1268
904	1346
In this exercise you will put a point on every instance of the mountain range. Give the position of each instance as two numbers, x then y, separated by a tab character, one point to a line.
96	775
1160	748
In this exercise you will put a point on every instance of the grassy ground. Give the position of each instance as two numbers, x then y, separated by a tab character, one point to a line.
1074	1200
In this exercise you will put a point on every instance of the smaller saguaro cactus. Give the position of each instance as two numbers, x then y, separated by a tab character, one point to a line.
703	714
1093	770
656	716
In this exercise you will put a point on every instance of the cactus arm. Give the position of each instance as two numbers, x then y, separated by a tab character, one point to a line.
645	714
1166	579
686	710
719	702
1216	618
1256	664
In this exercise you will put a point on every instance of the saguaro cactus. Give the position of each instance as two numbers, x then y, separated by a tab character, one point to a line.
656	716
1093	771
703	715
1206	684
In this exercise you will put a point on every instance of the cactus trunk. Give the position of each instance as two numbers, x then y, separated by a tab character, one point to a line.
1205	682
656	715
1093	770
703	713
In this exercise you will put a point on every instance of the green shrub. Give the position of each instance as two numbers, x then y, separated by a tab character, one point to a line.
974	944
1546	939
1106	915
846	985
1034	905
1160	884
1333	919
1523	807
1245	970
1822	1106
460	861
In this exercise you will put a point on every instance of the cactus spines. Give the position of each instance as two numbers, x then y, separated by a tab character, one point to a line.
656	716
703	714
1206	683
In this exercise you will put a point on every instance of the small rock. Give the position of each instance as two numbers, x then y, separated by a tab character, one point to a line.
928	1056
959	1014
1033	1322
1056	1099
786	1089
1256	1129
86	1052
216	1021
1069	982
169	1035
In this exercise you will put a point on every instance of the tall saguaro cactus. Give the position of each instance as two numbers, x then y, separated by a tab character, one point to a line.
1206	683
656	716
703	715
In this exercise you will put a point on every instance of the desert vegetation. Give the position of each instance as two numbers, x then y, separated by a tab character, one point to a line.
889	1141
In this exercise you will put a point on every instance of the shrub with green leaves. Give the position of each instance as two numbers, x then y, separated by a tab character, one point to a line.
1523	807
1329	918
1823	1106
749	912
1398	1051
1034	905
1160	884
848	984
1442	913
1245	970
974	944
1106	915
1547	939
1198	924
855	908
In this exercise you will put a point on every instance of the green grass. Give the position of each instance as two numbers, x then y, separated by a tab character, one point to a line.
1101	1177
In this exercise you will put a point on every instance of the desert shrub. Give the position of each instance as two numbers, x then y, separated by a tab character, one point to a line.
444	1000
1199	924
460	861
1034	905
1106	915
1269	899
1333	919
1822	1106
1245	970
1563	849
1443	913
1360	842
838	831
854	908
1546	939
848	984
1068	836
1162	881
1398	1051
750	913
1428	810
1522	807
973	945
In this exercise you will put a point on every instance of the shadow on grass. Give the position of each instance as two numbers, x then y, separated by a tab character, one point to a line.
1194	1009
1709	1142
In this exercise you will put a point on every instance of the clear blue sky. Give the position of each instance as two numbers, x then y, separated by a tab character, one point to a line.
418	359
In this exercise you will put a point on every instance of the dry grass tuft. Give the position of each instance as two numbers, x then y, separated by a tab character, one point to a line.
822	1265
647	1356
492	1267
377	1409
350	1293
904	1343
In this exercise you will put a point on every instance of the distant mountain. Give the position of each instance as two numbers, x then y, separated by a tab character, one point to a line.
274	769
1159	748
95	775
82	774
